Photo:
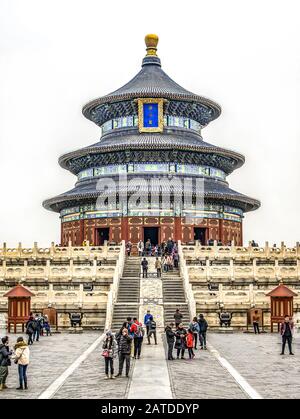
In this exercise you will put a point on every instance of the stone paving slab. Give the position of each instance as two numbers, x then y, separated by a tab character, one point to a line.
257	359
88	381
202	378
50	357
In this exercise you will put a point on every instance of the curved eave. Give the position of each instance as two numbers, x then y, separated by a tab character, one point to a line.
88	108
242	201
100	149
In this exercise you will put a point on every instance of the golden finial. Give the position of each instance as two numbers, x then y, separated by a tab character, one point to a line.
151	41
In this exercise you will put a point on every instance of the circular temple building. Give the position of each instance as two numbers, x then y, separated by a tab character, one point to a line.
151	174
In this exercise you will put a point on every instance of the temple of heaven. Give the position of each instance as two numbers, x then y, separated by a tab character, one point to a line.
151	174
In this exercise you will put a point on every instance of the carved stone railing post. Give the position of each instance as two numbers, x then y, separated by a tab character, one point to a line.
20	249
35	250
267	250
52	250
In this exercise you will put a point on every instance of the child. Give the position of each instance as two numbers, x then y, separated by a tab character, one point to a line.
190	343
109	352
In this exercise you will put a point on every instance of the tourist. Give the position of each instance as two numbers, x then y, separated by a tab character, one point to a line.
256	319
203	326
165	263
30	328
158	267
194	327
21	357
219	243
190	343
38	327
141	248
286	331
170	245
148	247
170	262
152	331
47	325
5	354
170	335
125	343
180	342
176	260
145	268
128	248
138	336
147	319
178	317
109	352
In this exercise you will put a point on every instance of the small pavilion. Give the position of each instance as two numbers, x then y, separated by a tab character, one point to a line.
282	304
19	306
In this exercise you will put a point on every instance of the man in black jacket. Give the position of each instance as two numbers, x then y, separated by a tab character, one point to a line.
170	340
125	343
203	326
5	353
145	267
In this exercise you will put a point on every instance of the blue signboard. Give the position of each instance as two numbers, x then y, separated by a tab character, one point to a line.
150	115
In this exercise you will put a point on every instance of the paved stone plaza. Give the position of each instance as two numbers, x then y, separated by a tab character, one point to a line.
255	358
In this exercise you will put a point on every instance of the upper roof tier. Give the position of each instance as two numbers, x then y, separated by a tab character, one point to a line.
152	81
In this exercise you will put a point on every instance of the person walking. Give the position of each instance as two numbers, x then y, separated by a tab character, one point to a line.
190	343
5	362
165	263
286	331
176	260
125	344
256	320
138	336
203	326
141	248
152	331
47	325
38	327
194	327
21	358
30	329
178	317
170	335
109	352
158	267
145	268
180	342
147	319
128	248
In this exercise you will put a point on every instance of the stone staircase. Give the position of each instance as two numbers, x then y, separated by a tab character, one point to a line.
174	297
128	299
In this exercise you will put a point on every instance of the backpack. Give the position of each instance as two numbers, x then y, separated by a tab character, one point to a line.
139	332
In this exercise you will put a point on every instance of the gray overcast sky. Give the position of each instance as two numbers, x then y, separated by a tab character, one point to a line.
57	55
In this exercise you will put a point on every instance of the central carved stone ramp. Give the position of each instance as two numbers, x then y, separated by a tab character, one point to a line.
128	299
174	297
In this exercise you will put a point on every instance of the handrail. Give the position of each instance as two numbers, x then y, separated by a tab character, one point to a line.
114	287
189	294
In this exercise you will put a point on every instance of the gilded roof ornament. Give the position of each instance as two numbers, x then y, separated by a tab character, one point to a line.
151	41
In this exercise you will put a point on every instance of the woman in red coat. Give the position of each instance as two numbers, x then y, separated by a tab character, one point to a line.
190	343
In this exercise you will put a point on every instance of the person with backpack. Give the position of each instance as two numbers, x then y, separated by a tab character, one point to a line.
152	331
145	268
5	362
180	342
203	326
190	343
21	358
194	326
30	328
170	335
178	317
109	353
125	342
138	336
